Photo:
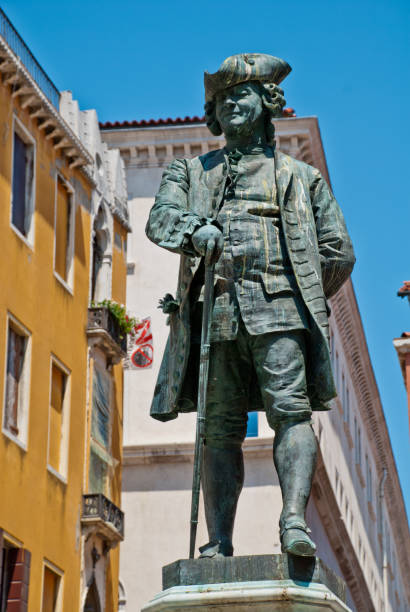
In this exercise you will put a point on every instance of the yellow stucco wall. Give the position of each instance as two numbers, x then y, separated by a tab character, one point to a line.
38	509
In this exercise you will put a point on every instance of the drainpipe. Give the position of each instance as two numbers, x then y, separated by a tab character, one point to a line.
384	554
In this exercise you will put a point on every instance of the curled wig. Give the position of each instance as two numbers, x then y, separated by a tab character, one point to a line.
272	101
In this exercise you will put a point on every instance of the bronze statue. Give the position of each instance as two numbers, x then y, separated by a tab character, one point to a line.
281	249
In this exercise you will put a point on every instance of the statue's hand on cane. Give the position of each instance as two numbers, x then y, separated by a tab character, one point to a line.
208	241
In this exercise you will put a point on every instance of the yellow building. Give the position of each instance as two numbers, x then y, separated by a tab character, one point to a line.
63	220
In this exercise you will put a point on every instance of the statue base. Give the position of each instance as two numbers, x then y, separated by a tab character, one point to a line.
261	582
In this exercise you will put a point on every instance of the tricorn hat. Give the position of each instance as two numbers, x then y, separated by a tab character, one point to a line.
245	67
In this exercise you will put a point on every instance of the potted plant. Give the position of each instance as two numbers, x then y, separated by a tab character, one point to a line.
112	316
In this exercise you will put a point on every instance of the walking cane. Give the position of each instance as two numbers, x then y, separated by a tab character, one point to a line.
201	408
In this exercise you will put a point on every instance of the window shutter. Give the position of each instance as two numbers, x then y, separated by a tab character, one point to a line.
100	427
1	562
17	598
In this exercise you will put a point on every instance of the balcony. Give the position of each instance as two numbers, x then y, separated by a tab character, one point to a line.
30	85
20	49
104	332
101	517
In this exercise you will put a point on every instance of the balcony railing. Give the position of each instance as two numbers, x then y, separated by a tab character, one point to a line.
103	327
19	48
103	516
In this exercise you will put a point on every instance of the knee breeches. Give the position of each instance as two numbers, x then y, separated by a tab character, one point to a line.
276	362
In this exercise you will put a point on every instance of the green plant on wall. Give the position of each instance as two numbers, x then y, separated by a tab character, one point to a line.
125	322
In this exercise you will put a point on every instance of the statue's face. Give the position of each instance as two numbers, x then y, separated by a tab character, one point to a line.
239	109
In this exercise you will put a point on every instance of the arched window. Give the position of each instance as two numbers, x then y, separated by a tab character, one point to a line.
92	603
100	242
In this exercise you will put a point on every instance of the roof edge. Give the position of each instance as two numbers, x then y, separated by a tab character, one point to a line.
118	125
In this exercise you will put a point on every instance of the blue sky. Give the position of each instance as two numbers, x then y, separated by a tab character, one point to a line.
138	60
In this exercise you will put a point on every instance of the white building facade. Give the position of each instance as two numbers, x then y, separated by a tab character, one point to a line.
356	510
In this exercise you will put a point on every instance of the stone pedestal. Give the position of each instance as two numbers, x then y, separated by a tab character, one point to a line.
261	582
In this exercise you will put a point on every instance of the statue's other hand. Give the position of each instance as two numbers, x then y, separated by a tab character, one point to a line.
208	241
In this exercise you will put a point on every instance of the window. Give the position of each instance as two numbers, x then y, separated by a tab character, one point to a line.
14	577
369	480
358	442
22	193
64	231
336	373
17	391
347	405
100	261
252	429
51	590
58	424
100	452
100	429
345	400
92	602
7	564
97	266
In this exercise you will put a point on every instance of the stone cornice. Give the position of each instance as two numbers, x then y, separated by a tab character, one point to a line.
15	74
346	313
177	452
402	346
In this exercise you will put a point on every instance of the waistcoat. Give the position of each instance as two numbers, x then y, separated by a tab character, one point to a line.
254	276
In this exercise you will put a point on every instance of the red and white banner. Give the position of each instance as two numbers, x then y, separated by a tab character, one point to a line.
140	346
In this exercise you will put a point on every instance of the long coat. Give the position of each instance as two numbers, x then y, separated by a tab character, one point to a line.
317	241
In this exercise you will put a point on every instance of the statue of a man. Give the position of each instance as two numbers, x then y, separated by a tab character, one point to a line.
281	249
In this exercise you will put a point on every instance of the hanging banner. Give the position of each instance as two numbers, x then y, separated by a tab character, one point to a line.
140	346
